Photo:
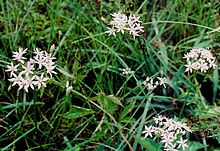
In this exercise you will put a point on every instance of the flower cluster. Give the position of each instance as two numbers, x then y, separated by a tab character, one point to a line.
127	71
151	85
199	59
169	131
33	72
121	22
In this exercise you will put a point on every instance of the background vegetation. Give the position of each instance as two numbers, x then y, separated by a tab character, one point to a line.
107	110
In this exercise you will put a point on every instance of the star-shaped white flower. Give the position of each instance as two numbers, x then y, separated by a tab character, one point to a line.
26	83
17	79
148	131
190	67
27	69
18	56
167	140
182	143
40	81
162	81
111	31
12	68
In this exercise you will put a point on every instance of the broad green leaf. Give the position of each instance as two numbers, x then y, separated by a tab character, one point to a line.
77	112
147	143
194	146
108	102
114	99
126	110
66	73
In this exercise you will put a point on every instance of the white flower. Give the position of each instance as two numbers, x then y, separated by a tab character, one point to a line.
158	119
199	59
38	53
182	143
167	140
40	60
111	31
127	71
203	66
121	22
28	74
212	64
48	57
28	69
16	79
12	68
135	29
162	81
133	19
26	83
171	147
50	69
169	123
190	67
148	131
18	56
178	125
40	81
68	88
184	126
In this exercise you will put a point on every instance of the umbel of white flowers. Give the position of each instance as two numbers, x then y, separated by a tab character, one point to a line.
169	131
122	23
152	84
199	59
34	72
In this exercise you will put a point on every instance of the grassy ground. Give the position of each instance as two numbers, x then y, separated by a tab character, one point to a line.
108	110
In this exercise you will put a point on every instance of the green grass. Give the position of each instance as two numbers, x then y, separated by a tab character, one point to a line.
107	110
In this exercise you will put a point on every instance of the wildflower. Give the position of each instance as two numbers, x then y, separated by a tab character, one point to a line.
38	53
40	81
203	66
16	79
39	58
171	147
28	69
158	119
18	56
182	143
190	67
151	85
148	131
50	69
111	31
26	83
212	64
135	30
162	81
199	59
12	68
127	71
122	23
169	131
28	75
167	140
